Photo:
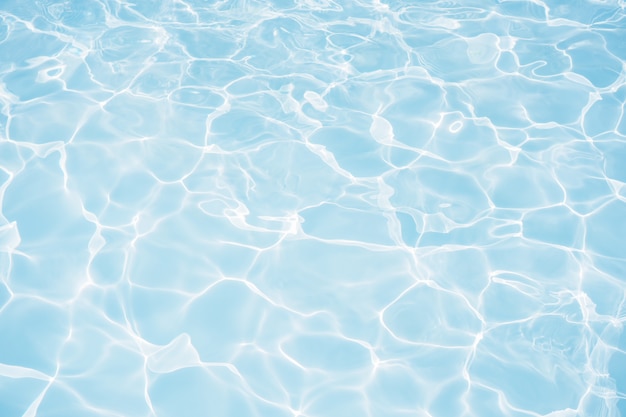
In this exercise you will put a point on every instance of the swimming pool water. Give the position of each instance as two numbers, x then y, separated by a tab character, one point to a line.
312	208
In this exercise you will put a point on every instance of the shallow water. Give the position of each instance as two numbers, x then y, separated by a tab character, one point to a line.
309	208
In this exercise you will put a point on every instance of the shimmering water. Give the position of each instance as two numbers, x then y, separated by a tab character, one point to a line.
312	208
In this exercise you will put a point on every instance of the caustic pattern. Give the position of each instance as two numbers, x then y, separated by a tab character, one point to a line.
309	208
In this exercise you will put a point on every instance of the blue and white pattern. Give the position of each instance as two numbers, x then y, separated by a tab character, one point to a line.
312	208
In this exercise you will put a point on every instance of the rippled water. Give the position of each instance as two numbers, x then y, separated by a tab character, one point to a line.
310	208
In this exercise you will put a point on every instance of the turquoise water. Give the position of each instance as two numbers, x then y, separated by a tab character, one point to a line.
312	208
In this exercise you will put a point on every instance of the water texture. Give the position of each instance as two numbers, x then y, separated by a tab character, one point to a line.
312	208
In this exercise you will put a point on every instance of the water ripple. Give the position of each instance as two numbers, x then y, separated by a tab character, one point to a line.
312	208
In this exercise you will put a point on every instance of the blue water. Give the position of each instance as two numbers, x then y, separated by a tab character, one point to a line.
312	208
